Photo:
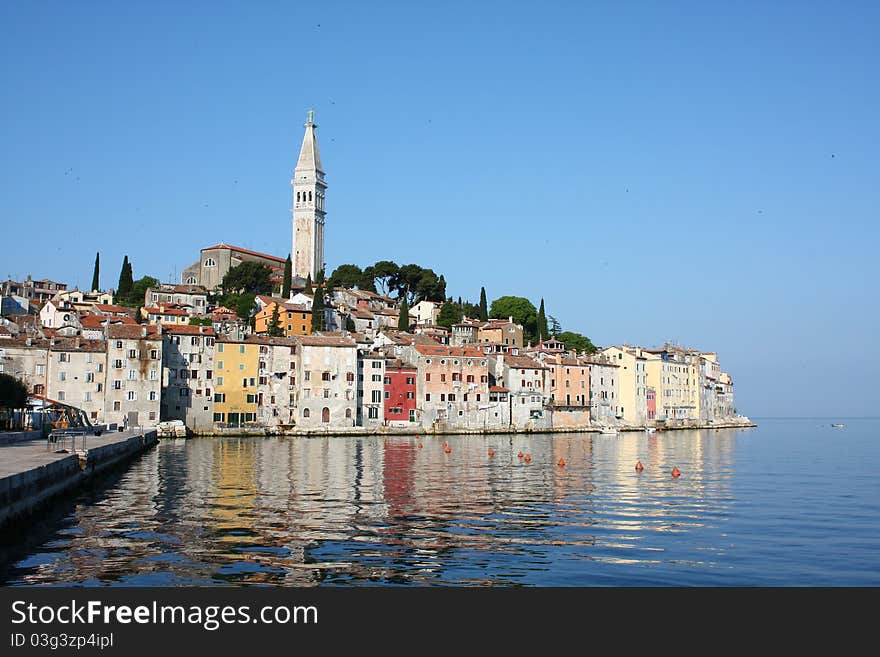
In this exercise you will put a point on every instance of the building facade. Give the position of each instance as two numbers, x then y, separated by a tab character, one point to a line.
309	189
188	376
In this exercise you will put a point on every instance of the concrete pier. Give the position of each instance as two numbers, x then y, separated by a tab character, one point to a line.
31	473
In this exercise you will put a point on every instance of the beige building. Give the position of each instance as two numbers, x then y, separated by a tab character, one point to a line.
134	375
325	387
215	261
188	376
309	190
631	405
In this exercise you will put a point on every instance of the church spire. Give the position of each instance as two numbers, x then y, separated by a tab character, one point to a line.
309	156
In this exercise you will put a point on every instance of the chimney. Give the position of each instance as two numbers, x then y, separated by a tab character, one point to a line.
510	319
76	343
143	331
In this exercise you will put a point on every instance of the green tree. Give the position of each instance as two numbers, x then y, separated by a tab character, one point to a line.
555	328
470	310
384	272
248	277
96	273
577	342
368	279
403	319
288	278
126	280
319	277
243	304
318	310
450	313
484	310
275	328
521	309
308	289
200	321
347	276
138	292
541	324
349	324
13	393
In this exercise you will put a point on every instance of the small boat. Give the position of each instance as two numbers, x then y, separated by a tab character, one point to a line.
607	430
650	430
838	426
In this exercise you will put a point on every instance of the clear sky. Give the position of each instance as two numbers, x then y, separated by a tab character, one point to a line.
701	172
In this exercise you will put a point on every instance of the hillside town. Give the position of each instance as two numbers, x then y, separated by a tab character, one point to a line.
248	342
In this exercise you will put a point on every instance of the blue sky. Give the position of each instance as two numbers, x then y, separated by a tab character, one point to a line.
701	172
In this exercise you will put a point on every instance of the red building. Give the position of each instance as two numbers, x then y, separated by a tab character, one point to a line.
400	392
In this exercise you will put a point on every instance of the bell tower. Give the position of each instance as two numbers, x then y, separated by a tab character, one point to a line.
309	188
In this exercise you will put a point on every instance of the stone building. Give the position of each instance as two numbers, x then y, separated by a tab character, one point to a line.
192	298
26	359
325	388
134	375
188	376
526	383
604	393
371	389
215	261
275	381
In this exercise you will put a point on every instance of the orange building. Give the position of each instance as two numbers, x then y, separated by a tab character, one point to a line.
294	319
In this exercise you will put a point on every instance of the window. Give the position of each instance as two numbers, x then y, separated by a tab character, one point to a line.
326	393
87	396
325	376
209	262
349	376
427	376
241	367
220	347
373	413
132	395
244	383
219	380
378	377
427	396
325	415
410	395
117	385
153	395
478	396
410	381
62	376
251	399
219	397
132	375
117	406
387	394
376	396
132	353
307	376
470	378
377	365
348	413
442	396
442	378
117	364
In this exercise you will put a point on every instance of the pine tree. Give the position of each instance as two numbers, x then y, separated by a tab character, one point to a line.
318	310
403	320
308	289
95	275
319	277
126	281
543	331
484	308
288	278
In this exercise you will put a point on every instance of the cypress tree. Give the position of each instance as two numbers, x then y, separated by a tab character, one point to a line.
275	328
318	310
308	289
126	281
484	308
288	278
543	331
403	320
95	274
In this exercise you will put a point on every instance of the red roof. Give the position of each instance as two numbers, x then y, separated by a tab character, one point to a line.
498	389
106	308
167	311
97	321
126	332
187	329
248	251
444	350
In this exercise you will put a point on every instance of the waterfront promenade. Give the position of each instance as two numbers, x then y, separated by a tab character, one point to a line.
32	471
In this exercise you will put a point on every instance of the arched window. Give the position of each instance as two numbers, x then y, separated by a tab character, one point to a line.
306	413
209	262
297	197
310	196
348	413
190	280
325	415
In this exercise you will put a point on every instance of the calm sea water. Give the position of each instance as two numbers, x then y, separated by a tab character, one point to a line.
792	502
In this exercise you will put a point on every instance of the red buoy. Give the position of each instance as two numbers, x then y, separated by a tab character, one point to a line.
639	466
561	463
676	472
491	452
420	445
447	450
520	455
528	459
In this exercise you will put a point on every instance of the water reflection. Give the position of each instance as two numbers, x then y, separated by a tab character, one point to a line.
309	511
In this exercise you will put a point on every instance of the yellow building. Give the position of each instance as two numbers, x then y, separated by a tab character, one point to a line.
294	319
236	375
674	374
632	388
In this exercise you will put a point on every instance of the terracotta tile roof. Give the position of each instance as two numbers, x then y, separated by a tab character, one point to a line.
127	332
332	340
187	329
97	321
271	340
522	363
445	350
248	251
77	344
107	308
498	389
167	311
5	331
